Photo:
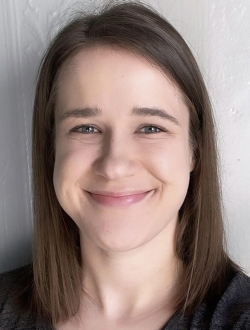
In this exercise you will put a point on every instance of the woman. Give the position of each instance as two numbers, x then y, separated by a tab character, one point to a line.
127	215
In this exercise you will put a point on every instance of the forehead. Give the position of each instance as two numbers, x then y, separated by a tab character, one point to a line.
104	53
115	78
114	59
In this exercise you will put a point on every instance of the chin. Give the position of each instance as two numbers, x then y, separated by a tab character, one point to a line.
117	243
124	247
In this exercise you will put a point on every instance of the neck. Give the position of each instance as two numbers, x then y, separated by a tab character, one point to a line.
131	283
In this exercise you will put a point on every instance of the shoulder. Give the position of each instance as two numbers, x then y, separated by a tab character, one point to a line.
229	311
233	309
13	312
9	284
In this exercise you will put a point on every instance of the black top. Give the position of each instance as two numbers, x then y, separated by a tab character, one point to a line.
231	311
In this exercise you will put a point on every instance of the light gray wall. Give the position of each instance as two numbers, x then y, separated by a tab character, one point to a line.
218	33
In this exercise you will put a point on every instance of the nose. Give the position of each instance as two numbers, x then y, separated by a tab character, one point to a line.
117	160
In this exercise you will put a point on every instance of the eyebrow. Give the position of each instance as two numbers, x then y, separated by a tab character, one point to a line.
141	112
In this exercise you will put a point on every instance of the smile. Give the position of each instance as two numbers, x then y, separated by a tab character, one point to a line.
119	200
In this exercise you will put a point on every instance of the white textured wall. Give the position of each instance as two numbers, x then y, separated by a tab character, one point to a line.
218	32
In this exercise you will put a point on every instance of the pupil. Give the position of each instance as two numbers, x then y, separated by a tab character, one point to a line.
90	129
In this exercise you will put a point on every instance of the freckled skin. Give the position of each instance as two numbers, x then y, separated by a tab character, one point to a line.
119	155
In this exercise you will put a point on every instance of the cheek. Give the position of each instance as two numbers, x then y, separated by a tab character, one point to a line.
71	164
171	161
171	167
70	169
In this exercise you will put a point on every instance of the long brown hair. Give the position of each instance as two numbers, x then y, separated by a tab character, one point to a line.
200	237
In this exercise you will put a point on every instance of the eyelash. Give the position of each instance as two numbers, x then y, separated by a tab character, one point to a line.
74	129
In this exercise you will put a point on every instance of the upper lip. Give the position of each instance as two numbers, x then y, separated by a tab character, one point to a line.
119	192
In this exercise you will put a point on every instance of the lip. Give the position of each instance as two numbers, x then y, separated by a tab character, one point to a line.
119	198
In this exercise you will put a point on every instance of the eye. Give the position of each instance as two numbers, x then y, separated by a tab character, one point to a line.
84	129
152	129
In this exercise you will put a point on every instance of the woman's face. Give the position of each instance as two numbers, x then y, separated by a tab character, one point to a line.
121	127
